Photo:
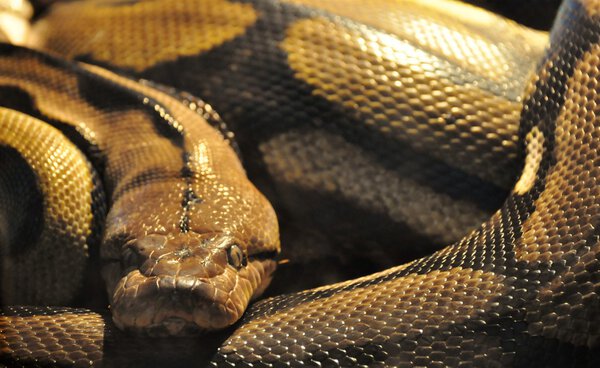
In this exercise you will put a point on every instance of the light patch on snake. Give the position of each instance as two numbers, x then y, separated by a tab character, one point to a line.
535	151
14	21
407	94
65	180
326	163
592	7
13	28
408	308
570	201
143	33
464	38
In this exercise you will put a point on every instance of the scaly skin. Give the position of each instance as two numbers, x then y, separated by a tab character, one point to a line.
184	225
522	289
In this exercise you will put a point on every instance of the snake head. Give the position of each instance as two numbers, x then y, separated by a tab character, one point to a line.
178	285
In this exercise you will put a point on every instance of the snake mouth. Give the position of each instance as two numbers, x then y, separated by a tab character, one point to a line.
175	306
185	286
187	306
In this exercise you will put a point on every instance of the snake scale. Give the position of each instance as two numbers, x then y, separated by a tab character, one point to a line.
379	132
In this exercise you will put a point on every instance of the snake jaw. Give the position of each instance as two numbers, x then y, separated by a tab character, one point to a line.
184	285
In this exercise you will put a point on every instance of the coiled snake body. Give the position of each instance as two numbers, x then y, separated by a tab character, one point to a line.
381	129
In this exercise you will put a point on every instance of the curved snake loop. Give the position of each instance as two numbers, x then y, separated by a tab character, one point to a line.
383	130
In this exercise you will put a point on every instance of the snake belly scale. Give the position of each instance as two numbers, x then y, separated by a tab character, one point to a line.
335	106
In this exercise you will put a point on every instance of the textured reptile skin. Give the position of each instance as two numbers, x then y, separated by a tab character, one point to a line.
369	126
185	233
520	290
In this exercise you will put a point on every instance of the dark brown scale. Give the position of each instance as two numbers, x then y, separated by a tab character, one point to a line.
13	194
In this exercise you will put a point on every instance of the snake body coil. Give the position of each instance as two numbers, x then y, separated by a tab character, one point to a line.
365	124
178	250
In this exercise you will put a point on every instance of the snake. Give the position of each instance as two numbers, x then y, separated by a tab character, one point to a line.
157	140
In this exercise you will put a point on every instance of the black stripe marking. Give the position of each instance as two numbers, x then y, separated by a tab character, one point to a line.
152	174
205	110
190	198
15	98
21	201
115	96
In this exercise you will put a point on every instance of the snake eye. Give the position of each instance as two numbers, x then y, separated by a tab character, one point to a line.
236	256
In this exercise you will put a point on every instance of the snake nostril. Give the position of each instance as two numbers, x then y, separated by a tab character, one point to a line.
236	256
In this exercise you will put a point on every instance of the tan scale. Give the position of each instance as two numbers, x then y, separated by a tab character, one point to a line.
82	325
66	183
424	302
201	26
457	31
535	150
15	18
419	90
